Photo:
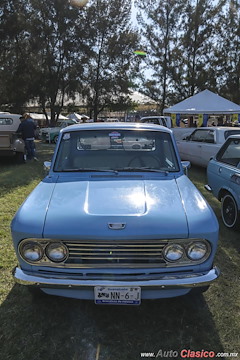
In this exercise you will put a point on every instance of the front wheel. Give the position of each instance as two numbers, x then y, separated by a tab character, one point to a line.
55	139
230	213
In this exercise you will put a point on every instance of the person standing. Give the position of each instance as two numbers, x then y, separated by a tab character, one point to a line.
137	118
27	129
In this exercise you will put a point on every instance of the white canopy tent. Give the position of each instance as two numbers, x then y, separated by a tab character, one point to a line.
78	117
205	102
36	116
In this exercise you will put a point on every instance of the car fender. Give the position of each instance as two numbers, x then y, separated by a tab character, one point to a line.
225	189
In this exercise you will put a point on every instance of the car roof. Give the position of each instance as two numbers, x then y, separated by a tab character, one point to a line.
116	126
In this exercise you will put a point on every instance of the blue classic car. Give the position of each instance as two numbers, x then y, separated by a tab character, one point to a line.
223	174
116	220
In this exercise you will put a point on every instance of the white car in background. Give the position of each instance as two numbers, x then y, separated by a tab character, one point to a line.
203	143
158	120
50	134
11	144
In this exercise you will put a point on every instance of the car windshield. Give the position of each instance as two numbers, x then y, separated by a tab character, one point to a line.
116	150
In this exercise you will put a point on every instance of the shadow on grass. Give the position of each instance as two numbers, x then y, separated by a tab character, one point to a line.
14	175
58	328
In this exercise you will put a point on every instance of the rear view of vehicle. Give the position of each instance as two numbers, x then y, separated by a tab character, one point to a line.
10	143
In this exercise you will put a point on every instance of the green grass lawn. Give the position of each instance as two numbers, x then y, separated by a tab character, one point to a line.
67	329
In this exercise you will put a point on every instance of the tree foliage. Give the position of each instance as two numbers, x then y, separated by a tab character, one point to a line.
14	84
58	50
192	45
159	20
226	60
111	60
51	50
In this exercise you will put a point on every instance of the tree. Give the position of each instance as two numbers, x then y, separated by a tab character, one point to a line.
57	52
14	74
111	61
41	55
180	38
196	44
159	20
227	50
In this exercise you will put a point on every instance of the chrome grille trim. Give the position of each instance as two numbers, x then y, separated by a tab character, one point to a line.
114	254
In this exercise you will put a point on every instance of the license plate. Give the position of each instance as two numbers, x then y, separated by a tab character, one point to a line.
117	295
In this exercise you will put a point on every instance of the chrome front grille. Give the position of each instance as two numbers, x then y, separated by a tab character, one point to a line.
94	254
117	253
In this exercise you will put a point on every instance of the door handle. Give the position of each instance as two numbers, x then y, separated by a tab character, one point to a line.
236	178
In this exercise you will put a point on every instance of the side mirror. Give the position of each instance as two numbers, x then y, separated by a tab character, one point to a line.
47	165
186	165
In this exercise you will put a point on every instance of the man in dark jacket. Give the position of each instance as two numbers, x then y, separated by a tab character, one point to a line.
27	129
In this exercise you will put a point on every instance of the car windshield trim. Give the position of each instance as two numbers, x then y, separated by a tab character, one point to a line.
87	170
117	170
116	150
142	168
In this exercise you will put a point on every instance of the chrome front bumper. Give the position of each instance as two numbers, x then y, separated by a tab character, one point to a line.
166	282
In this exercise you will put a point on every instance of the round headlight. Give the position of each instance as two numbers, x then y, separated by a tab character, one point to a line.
173	252
56	252
197	250
31	252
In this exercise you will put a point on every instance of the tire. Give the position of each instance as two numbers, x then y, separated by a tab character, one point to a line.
55	139
230	213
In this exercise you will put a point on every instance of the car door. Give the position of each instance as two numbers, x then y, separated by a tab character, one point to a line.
190	148
209	147
228	167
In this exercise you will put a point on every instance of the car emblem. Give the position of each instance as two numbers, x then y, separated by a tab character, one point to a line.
116	226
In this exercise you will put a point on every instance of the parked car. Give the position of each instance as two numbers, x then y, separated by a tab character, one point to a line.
181	133
223	173
116	220
51	134
203	144
10	142
158	120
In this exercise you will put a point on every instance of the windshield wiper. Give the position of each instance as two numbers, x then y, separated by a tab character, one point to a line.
115	171
89	169
142	168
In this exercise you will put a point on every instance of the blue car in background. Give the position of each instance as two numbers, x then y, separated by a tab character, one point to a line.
116	220
223	175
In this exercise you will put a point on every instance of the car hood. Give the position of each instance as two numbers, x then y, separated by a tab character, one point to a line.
119	209
122	208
